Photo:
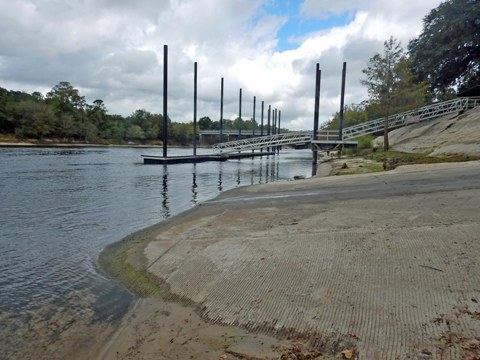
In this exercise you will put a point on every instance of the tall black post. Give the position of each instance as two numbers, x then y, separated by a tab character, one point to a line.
253	119
195	109
261	123
279	118
268	119
315	118
221	110
342	101
268	123
240	113
165	97
275	122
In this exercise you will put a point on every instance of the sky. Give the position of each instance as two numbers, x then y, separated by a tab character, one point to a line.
113	50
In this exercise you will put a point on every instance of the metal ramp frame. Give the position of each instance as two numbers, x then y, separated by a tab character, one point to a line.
410	117
262	142
370	127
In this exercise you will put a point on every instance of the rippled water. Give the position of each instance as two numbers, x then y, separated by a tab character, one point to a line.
61	207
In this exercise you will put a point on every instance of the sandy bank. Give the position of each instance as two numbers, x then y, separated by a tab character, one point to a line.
381	264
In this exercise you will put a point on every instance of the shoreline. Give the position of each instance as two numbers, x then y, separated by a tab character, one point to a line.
164	238
82	145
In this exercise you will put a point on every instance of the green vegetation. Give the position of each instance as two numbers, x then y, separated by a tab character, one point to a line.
393	159
114	260
63	115
445	57
447	53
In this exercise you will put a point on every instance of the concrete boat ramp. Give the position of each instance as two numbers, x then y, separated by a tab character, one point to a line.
384	265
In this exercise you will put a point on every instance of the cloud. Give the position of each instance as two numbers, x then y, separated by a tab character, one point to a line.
113	50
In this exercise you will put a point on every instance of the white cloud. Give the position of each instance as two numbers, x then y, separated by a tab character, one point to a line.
113	50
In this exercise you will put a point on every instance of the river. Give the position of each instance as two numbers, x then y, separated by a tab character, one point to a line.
61	206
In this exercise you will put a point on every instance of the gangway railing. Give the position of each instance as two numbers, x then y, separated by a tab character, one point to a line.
370	127
410	117
262	142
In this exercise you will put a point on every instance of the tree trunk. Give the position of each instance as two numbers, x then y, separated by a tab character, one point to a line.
385	134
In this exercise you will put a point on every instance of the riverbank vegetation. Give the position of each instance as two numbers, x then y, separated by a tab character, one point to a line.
63	115
444	60
368	161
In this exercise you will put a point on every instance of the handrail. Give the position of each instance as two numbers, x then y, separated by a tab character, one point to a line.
373	126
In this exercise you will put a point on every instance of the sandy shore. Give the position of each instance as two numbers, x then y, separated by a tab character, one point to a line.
381	266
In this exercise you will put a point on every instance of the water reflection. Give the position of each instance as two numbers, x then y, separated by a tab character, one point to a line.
165	203
194	184
219	182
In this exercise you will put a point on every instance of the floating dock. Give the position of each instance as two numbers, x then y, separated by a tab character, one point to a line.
191	159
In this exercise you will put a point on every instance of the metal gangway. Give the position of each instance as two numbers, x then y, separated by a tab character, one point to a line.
262	142
370	127
411	117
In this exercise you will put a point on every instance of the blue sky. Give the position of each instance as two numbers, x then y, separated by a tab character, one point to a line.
113	50
297	26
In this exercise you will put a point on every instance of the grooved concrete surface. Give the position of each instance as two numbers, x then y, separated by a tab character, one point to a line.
387	264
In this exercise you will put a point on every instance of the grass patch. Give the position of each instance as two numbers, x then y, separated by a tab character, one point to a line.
7	138
114	261
393	159
137	281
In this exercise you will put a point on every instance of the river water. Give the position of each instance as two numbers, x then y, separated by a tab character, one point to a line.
59	207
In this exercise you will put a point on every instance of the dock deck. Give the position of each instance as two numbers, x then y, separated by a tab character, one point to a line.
190	159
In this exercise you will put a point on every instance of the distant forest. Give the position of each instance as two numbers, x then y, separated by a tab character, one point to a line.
63	115
442	61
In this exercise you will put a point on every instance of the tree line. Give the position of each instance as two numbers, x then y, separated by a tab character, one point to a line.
63	114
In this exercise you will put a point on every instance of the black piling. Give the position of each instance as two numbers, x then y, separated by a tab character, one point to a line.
342	101
315	118
279	127
261	123
240	113
165	98
274	122
253	118
261	119
268	119
279	118
195	109
268	123
221	110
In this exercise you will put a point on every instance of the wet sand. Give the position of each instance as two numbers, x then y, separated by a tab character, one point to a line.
383	266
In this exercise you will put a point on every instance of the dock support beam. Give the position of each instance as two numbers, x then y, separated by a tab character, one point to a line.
315	118
240	113
342	102
165	99
195	109
221	110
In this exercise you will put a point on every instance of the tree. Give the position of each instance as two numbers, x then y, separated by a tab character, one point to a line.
34	119
65	98
205	123
447	52
151	124
352	115
134	132
385	76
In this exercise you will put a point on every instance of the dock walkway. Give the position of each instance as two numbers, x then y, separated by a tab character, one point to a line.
192	159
